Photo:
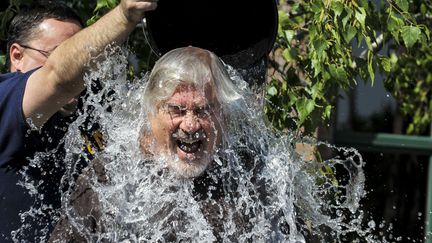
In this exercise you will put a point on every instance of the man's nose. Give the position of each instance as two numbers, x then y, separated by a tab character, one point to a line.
190	123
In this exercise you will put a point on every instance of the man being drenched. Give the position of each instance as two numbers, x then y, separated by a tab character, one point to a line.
190	158
193	110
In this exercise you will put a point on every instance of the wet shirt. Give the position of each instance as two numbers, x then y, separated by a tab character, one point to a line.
17	144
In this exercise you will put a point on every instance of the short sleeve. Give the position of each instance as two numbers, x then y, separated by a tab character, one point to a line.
13	127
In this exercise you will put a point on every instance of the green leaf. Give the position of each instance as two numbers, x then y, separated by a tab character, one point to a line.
337	72
272	91
313	32
361	17
349	33
112	3
320	45
283	20
410	35
371	70
289	35
327	111
304	107
403	4
394	23
99	5
289	54
92	20
317	67
347	16
316	90
369	42
393	58
337	8
105	4
423	9
292	98
385	64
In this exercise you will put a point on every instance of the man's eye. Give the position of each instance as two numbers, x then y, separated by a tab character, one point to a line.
176	110
202	111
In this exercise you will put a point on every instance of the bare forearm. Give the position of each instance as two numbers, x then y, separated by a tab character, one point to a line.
60	79
69	61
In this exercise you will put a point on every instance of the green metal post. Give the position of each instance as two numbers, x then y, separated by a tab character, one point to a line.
428	225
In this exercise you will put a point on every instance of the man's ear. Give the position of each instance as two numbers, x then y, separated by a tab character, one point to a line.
15	56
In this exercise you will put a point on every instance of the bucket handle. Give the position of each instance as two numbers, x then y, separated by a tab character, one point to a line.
147	38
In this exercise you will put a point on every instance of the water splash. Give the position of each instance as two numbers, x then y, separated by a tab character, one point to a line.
259	188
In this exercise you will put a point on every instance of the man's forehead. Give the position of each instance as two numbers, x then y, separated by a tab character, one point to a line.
191	95
52	31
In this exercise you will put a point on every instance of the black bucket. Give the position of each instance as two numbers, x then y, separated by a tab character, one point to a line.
241	32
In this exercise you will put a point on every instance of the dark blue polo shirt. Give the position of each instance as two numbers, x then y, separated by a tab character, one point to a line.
17	145
12	123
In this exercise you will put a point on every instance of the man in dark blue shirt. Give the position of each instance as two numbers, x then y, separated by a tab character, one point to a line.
47	68
33	34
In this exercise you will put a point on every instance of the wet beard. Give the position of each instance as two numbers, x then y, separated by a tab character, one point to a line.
188	169
193	145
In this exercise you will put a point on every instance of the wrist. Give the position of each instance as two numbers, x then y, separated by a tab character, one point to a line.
123	18
130	17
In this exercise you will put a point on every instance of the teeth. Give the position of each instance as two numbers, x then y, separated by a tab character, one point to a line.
189	141
190	138
189	146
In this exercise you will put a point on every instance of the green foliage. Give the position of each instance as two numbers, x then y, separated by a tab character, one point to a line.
409	78
101	7
411	82
317	42
315	55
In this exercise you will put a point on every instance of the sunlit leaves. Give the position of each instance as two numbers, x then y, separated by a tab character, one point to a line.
349	33
385	63
100	6
289	54
338	73
370	66
272	91
361	17
318	45
337	8
304	108
410	35
105	4
410	81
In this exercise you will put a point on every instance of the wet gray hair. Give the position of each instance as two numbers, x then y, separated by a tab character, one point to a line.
190	66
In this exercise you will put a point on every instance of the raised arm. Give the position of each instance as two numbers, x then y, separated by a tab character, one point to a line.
61	78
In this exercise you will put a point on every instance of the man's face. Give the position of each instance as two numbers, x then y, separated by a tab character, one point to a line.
186	127
51	33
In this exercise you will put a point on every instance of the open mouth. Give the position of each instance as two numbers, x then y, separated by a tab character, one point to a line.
189	143
189	146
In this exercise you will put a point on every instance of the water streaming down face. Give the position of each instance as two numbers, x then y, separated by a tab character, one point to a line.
255	187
